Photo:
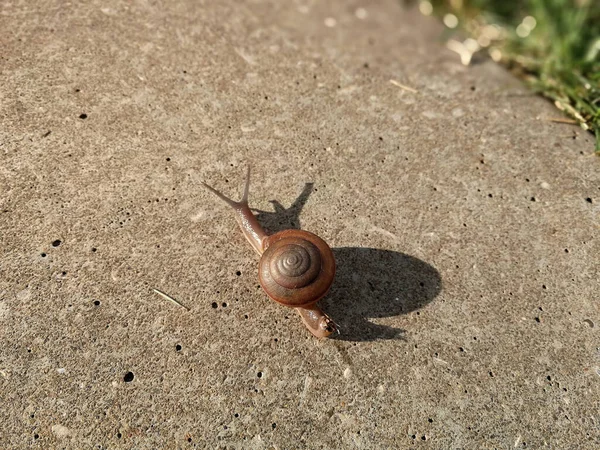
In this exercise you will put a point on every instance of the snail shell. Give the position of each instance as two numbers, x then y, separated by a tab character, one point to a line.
297	268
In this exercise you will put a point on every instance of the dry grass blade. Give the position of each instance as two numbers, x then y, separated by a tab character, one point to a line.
171	299
559	120
406	88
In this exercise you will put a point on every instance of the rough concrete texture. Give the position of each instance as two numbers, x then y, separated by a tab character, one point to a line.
463	220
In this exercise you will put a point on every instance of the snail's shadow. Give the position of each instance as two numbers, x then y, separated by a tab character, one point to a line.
369	283
372	283
284	218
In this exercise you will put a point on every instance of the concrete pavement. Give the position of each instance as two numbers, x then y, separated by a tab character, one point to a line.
464	224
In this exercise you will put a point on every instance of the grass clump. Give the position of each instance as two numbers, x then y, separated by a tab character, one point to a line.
553	44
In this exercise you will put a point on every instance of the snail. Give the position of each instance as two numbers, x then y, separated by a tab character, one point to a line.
296	267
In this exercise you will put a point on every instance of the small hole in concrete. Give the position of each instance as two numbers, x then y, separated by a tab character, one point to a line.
43	255
214	305
56	243
236	415
97	302
190	439
259	374
238	273
83	116
168	159
64	273
589	200
128	378
245	316
94	249
36	436
224	305
178	347
119	435
274	425
533	199
430	420
538	320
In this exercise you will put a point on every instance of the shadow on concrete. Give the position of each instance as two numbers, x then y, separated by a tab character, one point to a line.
284	218
370	283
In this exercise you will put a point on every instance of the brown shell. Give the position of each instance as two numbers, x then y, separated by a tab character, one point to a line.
297	268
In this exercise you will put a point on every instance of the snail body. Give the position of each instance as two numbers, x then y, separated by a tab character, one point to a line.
296	267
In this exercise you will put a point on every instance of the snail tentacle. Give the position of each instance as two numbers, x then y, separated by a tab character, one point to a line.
253	231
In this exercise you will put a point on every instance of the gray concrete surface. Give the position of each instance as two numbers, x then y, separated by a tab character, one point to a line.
467	247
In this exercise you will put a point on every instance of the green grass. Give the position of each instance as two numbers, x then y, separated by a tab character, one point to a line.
558	53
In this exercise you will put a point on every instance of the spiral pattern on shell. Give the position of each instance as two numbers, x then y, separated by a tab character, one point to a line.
297	268
295	264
